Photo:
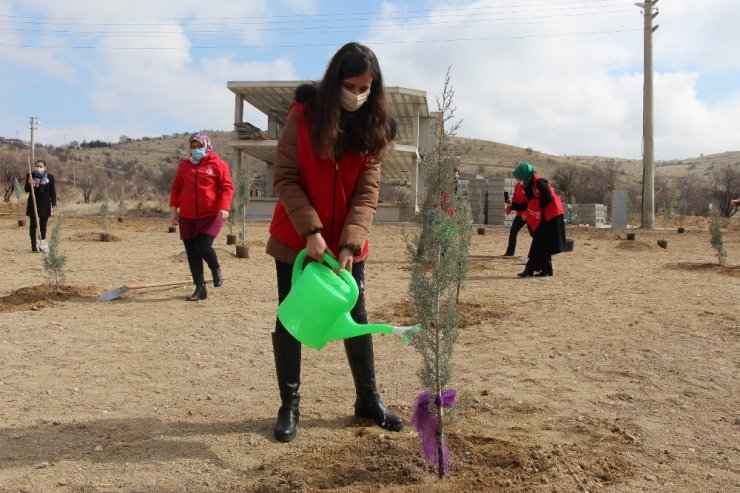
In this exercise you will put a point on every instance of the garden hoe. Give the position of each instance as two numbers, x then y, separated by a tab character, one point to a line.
112	294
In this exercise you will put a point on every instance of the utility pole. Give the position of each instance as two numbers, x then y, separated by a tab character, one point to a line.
648	151
34	121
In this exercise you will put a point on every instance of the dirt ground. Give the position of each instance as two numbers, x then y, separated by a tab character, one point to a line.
618	374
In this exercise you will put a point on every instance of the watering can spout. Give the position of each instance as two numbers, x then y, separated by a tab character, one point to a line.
345	328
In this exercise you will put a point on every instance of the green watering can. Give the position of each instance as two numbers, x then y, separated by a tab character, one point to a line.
317	309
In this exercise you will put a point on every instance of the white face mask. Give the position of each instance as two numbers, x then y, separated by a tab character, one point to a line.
350	102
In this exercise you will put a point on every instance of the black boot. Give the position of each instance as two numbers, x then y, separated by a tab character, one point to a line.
218	279
362	363
287	352
200	293
546	269
528	270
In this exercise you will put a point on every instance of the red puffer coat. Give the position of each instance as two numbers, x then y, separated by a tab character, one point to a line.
201	190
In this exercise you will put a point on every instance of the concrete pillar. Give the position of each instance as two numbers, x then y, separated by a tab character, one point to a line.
273	127
619	209
414	203
237	171
269	177
238	109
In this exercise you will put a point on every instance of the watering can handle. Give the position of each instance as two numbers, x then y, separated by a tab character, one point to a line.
344	274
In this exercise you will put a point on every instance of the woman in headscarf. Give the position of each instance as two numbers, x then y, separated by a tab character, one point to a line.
200	202
544	216
45	194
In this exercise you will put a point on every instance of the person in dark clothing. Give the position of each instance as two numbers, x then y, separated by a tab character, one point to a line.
327	176
200	201
519	222
544	216
45	193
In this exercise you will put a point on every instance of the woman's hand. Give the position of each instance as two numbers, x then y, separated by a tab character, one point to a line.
224	214
173	216
316	246
346	259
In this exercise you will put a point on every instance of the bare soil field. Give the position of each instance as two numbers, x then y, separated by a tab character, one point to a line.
618	374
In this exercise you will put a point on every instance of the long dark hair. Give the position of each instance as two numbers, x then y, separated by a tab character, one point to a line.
369	131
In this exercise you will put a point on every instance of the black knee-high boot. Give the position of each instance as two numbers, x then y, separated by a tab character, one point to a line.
362	363
200	292
287	352
528	269
546	268
195	262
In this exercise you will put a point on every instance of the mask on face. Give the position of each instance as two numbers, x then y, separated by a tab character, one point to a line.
350	102
198	153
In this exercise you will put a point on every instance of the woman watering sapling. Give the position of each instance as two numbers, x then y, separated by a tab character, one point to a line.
327	173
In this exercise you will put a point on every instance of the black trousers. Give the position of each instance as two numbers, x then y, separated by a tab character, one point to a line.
43	220
200	249
516	225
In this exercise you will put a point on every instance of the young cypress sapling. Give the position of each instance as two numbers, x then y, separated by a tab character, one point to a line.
439	266
242	194
716	240
54	260
104	211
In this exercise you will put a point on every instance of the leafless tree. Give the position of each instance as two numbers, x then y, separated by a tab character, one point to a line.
13	166
89	181
724	185
163	183
567	178
588	185
691	191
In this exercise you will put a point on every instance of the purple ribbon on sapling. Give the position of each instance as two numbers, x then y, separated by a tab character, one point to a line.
424	420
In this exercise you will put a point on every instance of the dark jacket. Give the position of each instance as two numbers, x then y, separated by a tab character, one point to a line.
46	197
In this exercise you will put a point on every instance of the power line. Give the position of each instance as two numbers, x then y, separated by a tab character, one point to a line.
322	30
570	12
331	17
314	45
363	24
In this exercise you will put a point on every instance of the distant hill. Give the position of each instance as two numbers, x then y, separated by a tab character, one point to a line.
492	158
150	158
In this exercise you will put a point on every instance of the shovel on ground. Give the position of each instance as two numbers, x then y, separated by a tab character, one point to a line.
112	294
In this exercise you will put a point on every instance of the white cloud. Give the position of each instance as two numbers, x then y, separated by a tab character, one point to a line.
175	91
572	94
522	77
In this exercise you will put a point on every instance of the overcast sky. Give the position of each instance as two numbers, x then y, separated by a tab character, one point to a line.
560	76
